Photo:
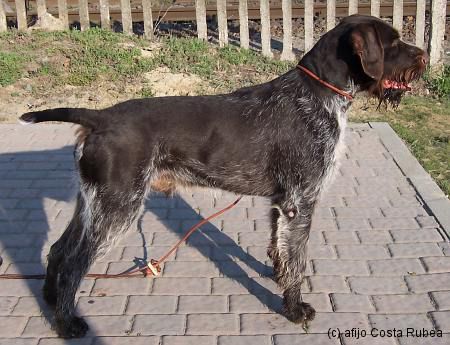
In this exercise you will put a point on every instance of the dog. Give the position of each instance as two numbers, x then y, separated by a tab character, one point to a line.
280	140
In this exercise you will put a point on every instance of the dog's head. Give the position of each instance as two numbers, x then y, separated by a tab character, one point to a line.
382	63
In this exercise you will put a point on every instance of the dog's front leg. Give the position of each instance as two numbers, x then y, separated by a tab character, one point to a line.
288	247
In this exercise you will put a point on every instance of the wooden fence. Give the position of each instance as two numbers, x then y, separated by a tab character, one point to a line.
435	47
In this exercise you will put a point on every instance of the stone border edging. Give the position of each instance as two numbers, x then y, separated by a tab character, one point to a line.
432	196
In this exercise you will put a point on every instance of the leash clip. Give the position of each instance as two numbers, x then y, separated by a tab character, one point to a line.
152	269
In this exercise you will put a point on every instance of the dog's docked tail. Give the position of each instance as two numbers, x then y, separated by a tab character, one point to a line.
85	117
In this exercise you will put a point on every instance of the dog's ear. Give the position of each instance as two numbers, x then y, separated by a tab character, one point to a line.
367	45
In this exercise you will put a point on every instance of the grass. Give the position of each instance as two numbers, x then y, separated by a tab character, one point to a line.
83	59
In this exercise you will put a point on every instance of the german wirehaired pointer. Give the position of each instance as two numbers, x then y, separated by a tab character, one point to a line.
281	140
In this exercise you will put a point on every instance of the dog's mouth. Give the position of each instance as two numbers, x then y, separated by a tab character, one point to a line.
396	85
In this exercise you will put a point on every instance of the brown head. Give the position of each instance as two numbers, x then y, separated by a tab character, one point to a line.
369	52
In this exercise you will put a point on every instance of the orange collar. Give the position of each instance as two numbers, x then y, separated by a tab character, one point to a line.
328	85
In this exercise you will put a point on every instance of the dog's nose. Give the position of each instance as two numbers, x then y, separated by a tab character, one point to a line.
424	58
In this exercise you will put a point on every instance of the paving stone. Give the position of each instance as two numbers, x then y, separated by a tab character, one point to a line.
243	226
244	340
403	212
151	305
324	321
328	284
440	264
405	250
351	224
444	340
415	236
254	238
377	285
124	286
190	269
12	326
339	237
37	326
109	325
7	305
193	253
159	324
374	237
225	286
346	302
394	223
320	251
310	339
442	320
255	323
395	267
419	303
188	340
204	324
442	299
362	251
177	286
248	303
126	340
341	267
106	305
400	321
202	304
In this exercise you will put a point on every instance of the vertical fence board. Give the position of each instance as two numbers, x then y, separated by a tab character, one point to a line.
21	15
287	53
84	15
265	28
104	14
375	8
331	14
3	23
127	22
222	22
435	49
243	24
148	19
200	14
420	23
63	15
352	7
397	17
309	25
41	7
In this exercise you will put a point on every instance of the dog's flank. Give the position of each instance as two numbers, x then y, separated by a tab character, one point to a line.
281	140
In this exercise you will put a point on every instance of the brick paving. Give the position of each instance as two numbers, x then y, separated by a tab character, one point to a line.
378	256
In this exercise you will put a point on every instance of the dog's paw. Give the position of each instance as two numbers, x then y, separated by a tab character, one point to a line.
299	313
76	327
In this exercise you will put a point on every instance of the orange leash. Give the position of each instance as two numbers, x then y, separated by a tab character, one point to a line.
153	267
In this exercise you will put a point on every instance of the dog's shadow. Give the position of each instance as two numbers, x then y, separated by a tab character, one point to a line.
217	247
36	187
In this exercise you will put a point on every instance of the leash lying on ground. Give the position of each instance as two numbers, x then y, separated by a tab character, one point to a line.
153	267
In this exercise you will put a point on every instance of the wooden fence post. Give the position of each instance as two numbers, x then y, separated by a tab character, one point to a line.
438	9
104	14
397	17
287	53
264	8
127	22
63	15
21	13
222	22
309	25
243	24
420	23
148	19
331	14
41	8
200	14
84	15
375	8
3	23
352	7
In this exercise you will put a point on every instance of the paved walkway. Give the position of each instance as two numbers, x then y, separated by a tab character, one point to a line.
378	258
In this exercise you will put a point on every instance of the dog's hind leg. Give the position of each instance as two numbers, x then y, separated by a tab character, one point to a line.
292	223
56	256
107	212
